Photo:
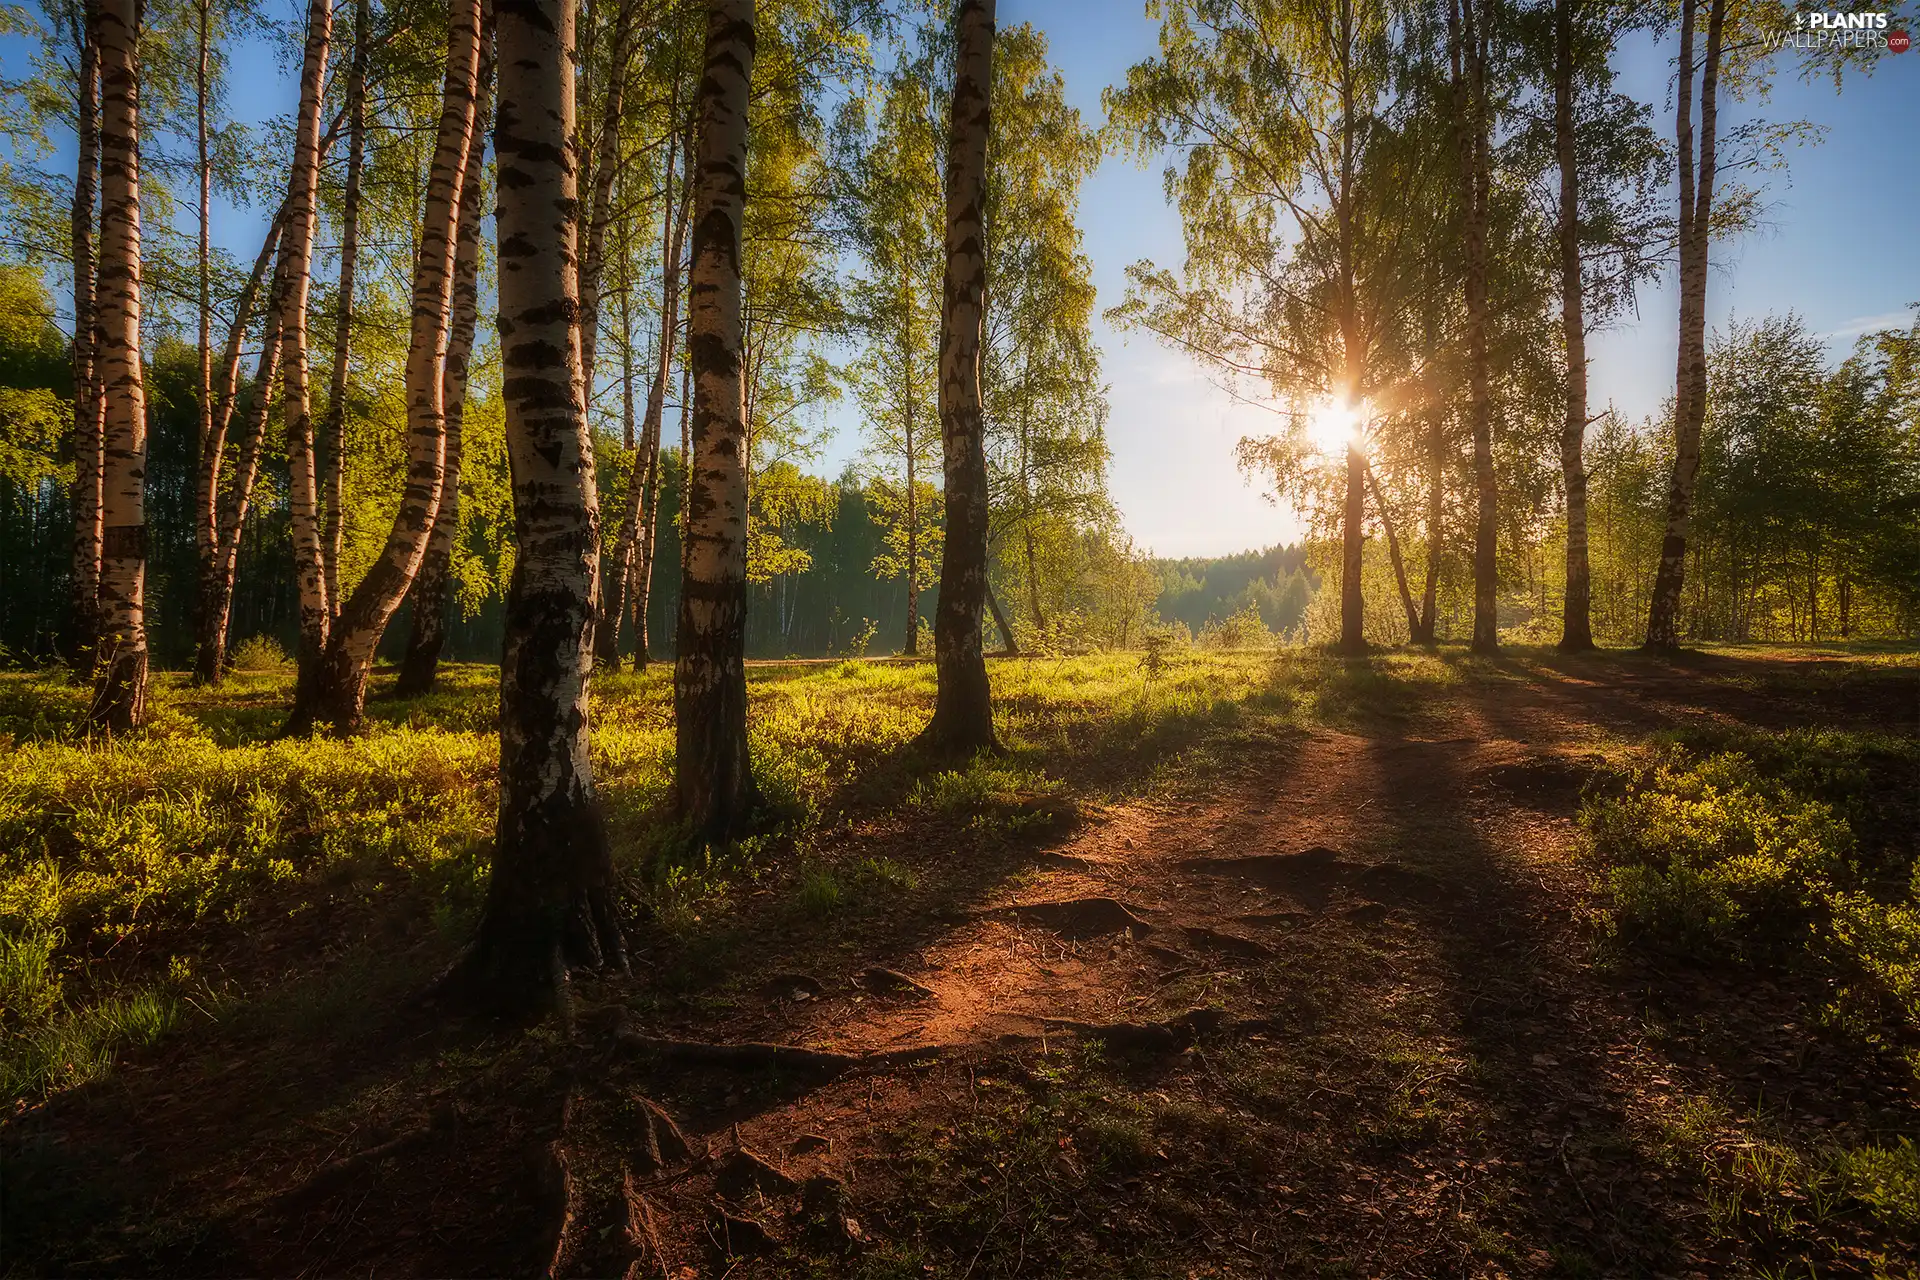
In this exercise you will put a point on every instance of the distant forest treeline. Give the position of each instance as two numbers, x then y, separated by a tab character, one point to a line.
820	595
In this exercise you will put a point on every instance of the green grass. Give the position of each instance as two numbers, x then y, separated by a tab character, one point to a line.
207	838
1788	849
1778	852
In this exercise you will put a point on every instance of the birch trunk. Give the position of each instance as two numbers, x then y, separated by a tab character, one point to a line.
120	692
614	576
1428	629
713	780
428	635
303	510
1474	124
1576	630
550	903
907	351
606	167
640	579
338	692
962	721
333	435
1353	352
1010	647
84	634
209	462
1690	380
1353	545
219	550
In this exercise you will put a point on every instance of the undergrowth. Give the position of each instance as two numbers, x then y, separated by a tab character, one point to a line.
1775	849
208	841
1779	852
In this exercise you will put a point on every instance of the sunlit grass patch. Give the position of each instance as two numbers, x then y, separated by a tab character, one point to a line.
1764	1185
73	1046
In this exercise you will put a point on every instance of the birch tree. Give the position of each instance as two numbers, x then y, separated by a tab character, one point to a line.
895	220
624	586
1306	188
88	405
221	517
550	902
303	193
428	634
337	691
962	721
120	691
713	776
331	445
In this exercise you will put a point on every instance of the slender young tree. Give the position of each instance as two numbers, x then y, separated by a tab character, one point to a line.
621	585
1576	628
896	220
120	692
222	517
1696	154
550	903
303	499
962	721
204	514
333	433
1468	21
337	693
1309	183
88	406
428	634
604	152
713	775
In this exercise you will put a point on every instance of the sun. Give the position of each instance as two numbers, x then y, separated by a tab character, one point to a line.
1333	426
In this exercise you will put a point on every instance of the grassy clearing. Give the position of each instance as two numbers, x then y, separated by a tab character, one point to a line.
146	880
261	908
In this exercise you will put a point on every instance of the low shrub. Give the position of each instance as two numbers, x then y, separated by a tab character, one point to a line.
1774	849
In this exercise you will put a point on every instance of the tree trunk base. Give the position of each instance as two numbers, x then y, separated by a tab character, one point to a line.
418	670
120	696
334	695
518	963
956	737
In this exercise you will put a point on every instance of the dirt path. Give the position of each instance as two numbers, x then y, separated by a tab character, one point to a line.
1407	1060
1448	1085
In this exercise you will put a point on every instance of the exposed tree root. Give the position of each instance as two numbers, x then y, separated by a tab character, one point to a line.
745	1172
559	1191
642	1239
1228	944
1082	918
1170	1036
891	982
335	1174
754	1056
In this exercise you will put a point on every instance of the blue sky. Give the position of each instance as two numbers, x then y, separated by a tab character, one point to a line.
1838	248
